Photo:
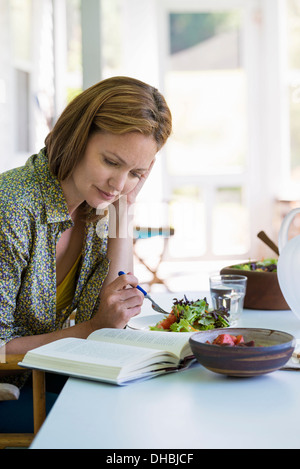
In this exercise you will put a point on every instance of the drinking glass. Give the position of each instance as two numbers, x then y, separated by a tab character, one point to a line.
228	291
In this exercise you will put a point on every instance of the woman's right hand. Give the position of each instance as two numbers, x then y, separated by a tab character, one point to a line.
120	301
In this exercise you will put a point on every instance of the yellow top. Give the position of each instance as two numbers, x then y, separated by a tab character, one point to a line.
66	289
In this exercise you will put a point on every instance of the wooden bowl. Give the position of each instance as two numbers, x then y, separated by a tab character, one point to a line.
271	351
263	290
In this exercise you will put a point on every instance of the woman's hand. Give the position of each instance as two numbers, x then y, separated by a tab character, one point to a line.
120	301
131	196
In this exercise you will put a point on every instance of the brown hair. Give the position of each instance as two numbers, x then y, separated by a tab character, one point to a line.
117	105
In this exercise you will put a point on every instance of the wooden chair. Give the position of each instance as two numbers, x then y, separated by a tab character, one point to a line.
10	366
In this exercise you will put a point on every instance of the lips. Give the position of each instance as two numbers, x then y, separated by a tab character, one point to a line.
106	195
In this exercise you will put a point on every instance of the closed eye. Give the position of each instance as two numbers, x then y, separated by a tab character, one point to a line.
136	175
110	162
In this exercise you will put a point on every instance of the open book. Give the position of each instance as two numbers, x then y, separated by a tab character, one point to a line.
114	355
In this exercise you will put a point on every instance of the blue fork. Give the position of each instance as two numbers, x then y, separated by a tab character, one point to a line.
155	306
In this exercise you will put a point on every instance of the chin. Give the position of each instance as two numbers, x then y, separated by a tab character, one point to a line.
102	206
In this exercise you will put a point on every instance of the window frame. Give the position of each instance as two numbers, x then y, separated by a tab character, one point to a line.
267	121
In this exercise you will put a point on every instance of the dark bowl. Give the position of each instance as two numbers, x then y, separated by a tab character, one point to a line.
263	290
271	351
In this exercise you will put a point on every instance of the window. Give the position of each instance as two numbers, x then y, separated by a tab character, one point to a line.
111	35
21	23
207	157
293	83
73	49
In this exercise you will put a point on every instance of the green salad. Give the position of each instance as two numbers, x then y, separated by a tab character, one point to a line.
191	316
266	265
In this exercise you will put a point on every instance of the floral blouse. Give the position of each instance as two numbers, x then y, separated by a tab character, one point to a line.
33	214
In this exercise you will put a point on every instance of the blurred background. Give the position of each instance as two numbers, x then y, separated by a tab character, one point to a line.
230	71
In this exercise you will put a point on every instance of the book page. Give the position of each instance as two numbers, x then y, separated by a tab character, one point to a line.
83	351
172	342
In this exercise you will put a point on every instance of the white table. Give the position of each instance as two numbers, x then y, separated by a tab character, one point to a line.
191	409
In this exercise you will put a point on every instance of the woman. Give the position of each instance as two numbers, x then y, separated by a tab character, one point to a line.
54	259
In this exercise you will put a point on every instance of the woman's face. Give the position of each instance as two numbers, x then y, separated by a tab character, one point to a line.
111	166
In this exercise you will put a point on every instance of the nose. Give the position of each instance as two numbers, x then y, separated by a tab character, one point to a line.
117	181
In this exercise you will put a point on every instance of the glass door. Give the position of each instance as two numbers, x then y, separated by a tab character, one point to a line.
207	87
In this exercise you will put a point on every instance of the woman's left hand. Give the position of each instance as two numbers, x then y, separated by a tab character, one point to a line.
131	196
